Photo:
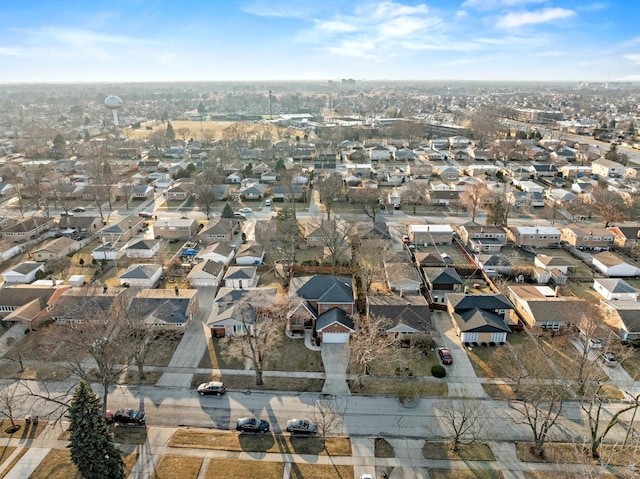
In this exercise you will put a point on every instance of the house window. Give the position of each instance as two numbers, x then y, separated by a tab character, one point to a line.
543	237
532	237
553	325
608	238
585	238
597	238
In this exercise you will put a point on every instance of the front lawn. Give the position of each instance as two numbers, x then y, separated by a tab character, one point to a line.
184	467
244	382
235	468
475	451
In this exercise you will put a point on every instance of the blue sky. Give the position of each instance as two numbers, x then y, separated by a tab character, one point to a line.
221	40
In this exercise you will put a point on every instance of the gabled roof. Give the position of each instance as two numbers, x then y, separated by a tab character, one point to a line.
140	271
490	302
163	305
480	321
143	245
615	285
409	310
241	272
19	295
209	266
326	289
25	267
334	315
437	276
429	259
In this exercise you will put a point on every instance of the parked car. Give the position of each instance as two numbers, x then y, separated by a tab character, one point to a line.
127	416
144	214
267	203
212	387
78	209
64	213
609	360
252	424
237	214
301	426
592	343
445	356
245	210
406	239
366	476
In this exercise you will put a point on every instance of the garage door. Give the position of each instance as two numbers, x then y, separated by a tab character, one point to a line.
335	337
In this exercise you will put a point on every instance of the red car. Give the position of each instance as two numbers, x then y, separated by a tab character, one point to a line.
445	356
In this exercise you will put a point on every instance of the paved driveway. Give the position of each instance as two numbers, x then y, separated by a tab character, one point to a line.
335	358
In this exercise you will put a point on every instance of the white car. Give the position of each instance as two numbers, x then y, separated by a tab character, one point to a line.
237	214
267	203
245	210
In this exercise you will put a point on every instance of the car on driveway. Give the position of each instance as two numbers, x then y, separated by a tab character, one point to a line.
245	210
267	203
301	426
212	388
252	424
127	416
609	360
445	356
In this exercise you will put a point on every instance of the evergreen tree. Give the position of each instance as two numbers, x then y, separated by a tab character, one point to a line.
93	450
59	141
227	211
201	108
170	134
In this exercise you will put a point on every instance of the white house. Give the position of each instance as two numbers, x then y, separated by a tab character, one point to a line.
610	265
23	273
107	252
241	277
141	275
206	273
142	249
251	253
553	262
615	289
220	252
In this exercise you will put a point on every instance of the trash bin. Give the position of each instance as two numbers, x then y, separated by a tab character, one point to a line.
27	419
34	420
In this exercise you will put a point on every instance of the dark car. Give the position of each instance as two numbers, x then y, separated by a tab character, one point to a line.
252	424
144	214
78	209
127	416
609	360
212	387
445	356
301	426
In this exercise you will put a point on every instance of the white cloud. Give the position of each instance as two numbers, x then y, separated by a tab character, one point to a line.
519	19
633	57
497	4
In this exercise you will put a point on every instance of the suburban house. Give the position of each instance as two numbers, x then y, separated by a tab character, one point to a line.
90	303
79	224
540	307
553	263
625	236
221	192
430	234
220	252
623	317
482	239
55	249
23	273
108	251
175	228
27	229
607	168
378	230
141	275
443	197
615	289
441	281
493	264
250	253
534	236
241	277
142	249
142	192
232	314
124	230
402	277
334	326
222	230
207	273
611	265
407	315
15	296
428	260
480	319
165	308
592	238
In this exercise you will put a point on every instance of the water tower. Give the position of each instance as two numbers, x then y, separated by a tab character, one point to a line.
114	103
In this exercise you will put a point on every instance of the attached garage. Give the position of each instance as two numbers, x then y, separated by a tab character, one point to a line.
330	337
335	326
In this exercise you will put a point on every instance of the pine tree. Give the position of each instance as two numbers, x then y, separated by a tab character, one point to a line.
227	211
171	135
93	450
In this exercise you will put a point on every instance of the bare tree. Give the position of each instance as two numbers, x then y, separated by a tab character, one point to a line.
414	194
330	190
369	255
499	208
125	191
282	241
9	402
473	198
368	200
335	239
263	319
55	396
183	133
593	406
539	408
370	344
609	205
205	191
327	417
465	420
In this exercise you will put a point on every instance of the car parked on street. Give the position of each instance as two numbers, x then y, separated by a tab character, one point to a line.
252	424
78	209
245	210
237	214
445	356
212	388
301	426
127	417
609	360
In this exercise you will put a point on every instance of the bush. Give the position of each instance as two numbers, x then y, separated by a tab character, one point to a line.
438	371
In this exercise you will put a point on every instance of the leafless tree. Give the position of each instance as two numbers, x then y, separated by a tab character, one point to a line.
465	419
205	191
9	402
369	256
330	190
55	397
539	407
125	191
473	198
368	200
499	208
370	344
609	205
282	241
263	318
335	236
183	133
414	194
327	416
485	125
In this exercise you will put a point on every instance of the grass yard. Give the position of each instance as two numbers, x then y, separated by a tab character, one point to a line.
235	468
320	471
132	377
295	356
567	453
57	465
231	441
271	383
215	358
465	474
184	467
410	362
44	371
4	455
466	452
129	435
26	431
164	345
391	387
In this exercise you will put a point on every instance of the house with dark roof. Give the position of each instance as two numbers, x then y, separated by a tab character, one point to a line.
335	326
142	249
440	282
221	230
122	231
623	317
207	273
141	275
625	236
23	273
407	315
232	313
79	224
616	289
541	307
90	303
241	277
165	307
481	318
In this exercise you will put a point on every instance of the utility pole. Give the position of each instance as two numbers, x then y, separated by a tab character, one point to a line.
270	106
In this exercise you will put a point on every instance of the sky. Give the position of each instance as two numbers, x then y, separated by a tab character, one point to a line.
248	40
